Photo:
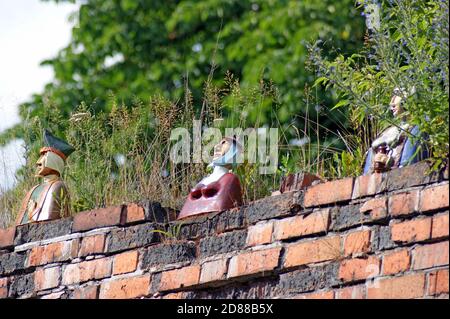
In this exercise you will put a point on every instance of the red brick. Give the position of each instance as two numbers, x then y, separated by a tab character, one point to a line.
357	242
316	295
87	292
254	262
54	252
87	270
329	192
213	270
359	268
47	278
398	261
259	234
366	185
302	225
175	295
102	217
55	295
7	237
125	262
135	213
438	282
429	256
434	198
313	251
404	203
126	288
352	292
440	226
376	207
405	287
92	245
3	287
180	278
411	231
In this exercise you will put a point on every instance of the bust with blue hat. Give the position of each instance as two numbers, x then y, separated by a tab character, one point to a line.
221	190
49	199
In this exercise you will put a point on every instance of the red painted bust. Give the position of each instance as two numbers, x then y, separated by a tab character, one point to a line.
219	191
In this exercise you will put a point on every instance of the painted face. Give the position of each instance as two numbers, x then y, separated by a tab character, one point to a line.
41	168
221	148
396	105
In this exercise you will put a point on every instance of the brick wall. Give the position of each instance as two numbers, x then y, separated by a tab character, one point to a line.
375	236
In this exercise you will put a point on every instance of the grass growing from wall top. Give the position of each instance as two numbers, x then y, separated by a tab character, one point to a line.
124	156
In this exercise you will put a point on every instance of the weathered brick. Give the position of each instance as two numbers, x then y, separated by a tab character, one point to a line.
163	254
54	252
404	203
132	237
367	185
54	295
86	292
408	176
102	217
351	292
397	261
357	242
313	251
429	256
87	270
3	287
412	230
223	243
254	262
438	282
21	285
42	230
376	208
215	270
180	278
302	225
329	192
359	268
154	212
271	207
135	213
92	245
345	217
228	220
126	288
259	234
381	238
47	278
309	279
434	198
405	287
11	262
440	226
175	295
316	295
125	262
7	237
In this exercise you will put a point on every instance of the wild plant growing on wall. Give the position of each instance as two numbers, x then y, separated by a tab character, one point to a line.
406	47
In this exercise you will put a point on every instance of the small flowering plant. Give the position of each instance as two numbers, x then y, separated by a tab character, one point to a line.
406	46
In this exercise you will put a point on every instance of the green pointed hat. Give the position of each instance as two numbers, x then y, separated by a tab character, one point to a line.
56	145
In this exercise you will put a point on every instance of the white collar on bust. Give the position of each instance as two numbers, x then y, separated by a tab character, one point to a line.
51	178
217	173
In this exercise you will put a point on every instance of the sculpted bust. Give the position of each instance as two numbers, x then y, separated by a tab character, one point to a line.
221	190
49	199
395	147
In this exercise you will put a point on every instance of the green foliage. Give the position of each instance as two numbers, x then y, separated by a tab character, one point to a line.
140	48
408	50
